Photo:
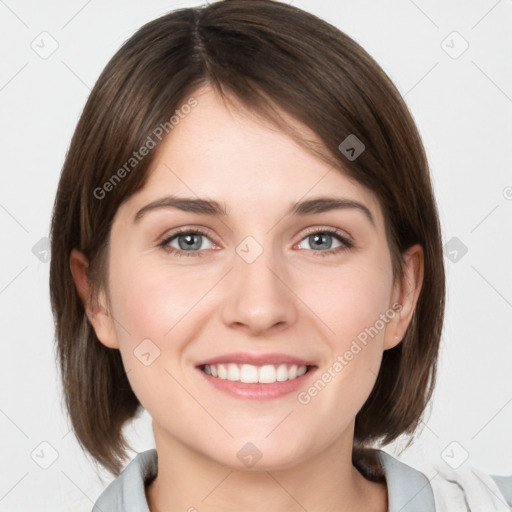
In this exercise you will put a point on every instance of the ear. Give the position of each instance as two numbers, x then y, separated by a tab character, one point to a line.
99	317
405	295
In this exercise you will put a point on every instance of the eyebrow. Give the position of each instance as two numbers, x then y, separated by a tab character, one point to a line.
214	208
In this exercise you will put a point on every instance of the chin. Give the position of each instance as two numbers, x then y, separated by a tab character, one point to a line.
261	455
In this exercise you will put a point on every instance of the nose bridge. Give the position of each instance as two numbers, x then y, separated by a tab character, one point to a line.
258	296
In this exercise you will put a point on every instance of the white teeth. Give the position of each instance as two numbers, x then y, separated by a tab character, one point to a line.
250	374
267	374
222	372
233	372
282	373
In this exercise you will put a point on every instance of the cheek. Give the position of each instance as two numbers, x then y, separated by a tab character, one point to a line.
146	307
149	302
354	301
155	314
351	299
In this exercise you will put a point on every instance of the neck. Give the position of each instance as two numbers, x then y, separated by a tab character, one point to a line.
189	481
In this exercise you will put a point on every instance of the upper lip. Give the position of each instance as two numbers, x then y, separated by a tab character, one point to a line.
256	359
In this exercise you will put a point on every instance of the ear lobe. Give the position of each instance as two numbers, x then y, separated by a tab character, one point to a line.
97	314
406	292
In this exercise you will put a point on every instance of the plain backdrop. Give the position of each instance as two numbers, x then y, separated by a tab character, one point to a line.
450	60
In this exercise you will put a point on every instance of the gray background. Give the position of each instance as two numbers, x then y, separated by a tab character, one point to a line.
462	103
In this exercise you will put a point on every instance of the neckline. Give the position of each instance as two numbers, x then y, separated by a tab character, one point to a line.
408	489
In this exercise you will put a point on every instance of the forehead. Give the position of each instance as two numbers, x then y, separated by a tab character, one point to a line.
234	156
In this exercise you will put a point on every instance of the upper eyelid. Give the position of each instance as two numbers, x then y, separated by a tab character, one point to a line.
184	231
334	231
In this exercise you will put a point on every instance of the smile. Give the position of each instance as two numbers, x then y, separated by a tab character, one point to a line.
260	377
251	374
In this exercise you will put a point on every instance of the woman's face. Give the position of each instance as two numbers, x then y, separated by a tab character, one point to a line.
256	293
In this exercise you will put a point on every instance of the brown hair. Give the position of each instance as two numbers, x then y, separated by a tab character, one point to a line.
269	56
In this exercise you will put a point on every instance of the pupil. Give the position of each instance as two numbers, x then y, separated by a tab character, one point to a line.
190	242
319	237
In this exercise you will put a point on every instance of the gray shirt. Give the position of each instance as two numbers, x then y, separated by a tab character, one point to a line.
409	490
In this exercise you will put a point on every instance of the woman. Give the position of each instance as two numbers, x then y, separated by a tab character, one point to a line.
245	243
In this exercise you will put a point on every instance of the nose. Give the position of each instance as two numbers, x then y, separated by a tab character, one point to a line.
260	299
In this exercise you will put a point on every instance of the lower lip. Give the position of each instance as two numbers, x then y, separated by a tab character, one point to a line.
258	391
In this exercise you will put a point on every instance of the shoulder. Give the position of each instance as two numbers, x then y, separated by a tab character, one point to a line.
463	490
471	489
127	492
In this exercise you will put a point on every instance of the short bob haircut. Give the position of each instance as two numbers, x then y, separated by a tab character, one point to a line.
268	55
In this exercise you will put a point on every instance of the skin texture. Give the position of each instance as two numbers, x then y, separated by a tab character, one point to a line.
292	299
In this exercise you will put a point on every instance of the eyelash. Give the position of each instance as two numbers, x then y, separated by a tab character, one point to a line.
347	243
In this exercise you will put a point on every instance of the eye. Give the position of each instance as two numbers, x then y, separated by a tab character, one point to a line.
322	239
189	243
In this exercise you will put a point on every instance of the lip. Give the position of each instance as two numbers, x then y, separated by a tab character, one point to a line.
256	359
258	391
